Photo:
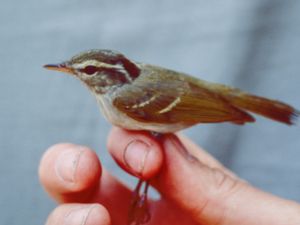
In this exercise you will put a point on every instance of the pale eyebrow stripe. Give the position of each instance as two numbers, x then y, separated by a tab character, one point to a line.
97	64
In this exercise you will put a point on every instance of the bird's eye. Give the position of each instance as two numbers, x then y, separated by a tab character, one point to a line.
89	70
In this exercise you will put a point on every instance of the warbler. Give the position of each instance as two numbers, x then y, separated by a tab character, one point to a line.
140	96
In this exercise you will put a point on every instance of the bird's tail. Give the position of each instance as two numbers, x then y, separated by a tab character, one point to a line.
269	108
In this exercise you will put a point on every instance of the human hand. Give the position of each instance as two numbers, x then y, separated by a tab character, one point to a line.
194	189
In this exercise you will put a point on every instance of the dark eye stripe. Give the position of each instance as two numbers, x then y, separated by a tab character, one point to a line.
131	68
115	75
89	70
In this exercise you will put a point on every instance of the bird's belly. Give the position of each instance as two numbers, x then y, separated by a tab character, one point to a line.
120	119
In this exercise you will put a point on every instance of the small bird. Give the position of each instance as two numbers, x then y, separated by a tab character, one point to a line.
138	96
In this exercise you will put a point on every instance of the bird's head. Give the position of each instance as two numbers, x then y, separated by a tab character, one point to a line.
100	70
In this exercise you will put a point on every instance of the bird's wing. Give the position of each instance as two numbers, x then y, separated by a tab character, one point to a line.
176	101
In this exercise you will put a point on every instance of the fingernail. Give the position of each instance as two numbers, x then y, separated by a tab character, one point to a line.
66	164
135	155
78	216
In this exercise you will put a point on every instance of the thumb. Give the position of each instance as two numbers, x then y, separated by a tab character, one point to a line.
190	178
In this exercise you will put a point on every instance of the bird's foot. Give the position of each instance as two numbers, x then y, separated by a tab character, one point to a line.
139	211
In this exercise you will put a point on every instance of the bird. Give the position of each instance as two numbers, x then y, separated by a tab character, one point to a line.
139	96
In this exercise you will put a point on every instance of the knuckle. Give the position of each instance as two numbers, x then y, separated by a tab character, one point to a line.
224	188
225	185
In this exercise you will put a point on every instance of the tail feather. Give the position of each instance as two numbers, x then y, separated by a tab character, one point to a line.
294	116
272	109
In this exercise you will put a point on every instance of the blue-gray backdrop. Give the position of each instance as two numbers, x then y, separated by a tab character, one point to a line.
253	45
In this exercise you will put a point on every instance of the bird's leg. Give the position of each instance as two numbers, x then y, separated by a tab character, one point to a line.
158	136
139	212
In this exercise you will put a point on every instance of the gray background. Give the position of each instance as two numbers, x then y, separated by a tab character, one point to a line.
253	45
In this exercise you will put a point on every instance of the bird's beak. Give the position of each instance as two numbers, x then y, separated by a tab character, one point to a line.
62	67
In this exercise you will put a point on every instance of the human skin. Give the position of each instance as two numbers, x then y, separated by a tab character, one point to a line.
194	187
